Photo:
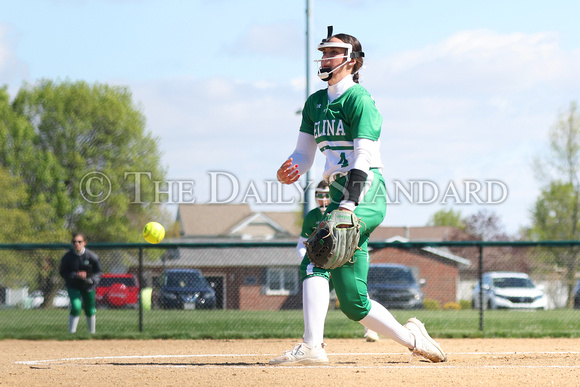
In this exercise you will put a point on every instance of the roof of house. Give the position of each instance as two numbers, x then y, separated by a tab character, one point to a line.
291	221
210	219
441	252
235	220
235	256
426	233
239	221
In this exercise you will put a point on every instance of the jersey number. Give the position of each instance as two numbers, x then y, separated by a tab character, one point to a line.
343	161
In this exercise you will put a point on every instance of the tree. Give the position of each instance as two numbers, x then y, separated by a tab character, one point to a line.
556	213
74	150
485	225
89	142
17	226
447	218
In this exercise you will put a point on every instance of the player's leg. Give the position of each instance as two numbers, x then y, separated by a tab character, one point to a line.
315	302
90	310
381	320
350	280
350	283
370	335
315	289
351	290
76	306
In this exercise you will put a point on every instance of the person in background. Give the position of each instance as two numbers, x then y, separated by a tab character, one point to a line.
81	270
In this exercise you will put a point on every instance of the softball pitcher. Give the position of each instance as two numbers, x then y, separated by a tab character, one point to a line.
343	122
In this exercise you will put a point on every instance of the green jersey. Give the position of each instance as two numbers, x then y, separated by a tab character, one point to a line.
336	124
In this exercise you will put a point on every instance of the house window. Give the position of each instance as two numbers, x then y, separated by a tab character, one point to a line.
281	282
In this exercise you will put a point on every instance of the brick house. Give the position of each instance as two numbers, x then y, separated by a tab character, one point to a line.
245	278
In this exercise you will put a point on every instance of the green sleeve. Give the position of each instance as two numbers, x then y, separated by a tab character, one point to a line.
309	109
311	221
366	118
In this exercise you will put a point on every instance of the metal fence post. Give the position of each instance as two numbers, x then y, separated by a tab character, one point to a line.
480	274
140	289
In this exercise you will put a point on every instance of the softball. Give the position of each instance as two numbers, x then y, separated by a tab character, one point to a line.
153	232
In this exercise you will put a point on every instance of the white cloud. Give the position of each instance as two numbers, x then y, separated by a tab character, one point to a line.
477	105
482	62
12	69
244	129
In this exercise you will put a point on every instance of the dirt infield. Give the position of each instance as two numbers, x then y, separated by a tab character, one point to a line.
353	362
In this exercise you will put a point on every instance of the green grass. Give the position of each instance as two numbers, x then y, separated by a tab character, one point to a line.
51	324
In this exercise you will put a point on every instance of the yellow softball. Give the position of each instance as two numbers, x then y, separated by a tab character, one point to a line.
153	232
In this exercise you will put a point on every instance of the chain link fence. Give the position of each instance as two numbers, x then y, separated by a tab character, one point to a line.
185	277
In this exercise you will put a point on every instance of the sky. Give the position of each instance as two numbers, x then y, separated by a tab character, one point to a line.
468	90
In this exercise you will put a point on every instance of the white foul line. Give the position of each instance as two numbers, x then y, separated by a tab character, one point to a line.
440	365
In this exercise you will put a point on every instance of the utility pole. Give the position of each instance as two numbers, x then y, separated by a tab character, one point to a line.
306	207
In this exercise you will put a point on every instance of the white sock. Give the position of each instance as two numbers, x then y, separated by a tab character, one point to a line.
366	328
72	323
382	321
315	302
91	322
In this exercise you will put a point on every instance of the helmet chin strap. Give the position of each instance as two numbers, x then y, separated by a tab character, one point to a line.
325	73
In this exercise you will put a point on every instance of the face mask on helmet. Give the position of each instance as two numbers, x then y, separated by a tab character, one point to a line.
322	197
325	73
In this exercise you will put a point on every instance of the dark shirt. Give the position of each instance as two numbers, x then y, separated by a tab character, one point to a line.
72	263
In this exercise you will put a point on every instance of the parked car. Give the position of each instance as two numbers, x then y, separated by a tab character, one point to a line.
183	289
60	300
577	295
509	290
117	291
394	286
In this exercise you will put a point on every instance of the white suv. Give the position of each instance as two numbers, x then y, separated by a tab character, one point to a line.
509	290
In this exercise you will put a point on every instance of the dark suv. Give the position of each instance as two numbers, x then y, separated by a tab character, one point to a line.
183	289
117	291
394	286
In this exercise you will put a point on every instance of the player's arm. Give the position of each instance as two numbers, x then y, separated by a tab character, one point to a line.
308	226
96	269
301	247
65	269
300	160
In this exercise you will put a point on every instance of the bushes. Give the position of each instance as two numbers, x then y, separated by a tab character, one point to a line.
452	306
430	304
465	304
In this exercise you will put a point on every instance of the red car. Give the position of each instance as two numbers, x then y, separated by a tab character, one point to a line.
117	291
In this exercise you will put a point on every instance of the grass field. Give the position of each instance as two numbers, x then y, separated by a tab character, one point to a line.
233	324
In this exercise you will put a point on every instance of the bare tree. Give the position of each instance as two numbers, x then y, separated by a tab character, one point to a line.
556	213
